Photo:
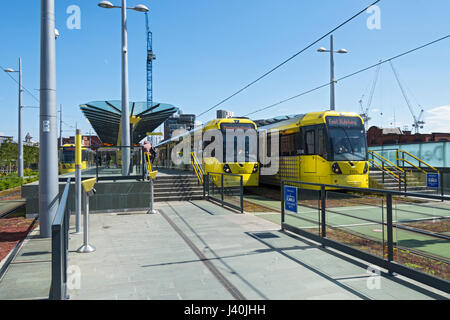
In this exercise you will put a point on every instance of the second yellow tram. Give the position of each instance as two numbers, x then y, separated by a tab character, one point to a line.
215	163
321	147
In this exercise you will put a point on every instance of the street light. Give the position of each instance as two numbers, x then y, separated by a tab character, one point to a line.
125	140
332	79
20	143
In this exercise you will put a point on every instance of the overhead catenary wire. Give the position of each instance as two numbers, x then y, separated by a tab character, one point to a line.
287	60
350	75
28	91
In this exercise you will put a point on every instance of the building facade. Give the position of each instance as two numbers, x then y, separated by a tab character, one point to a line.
179	121
393	136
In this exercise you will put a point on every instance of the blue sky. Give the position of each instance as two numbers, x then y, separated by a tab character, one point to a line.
208	49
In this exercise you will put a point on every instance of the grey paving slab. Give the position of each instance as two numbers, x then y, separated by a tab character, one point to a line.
28	275
142	256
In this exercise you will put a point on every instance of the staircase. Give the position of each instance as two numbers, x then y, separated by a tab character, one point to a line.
177	188
413	184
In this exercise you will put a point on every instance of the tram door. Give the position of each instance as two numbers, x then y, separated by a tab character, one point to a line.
309	161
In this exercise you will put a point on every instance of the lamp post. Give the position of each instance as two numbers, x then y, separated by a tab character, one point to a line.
332	78
20	142
125	124
48	155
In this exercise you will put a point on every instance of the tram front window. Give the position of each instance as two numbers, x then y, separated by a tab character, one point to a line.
68	156
241	150
348	139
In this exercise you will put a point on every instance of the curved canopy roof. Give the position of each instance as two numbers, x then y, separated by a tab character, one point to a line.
105	116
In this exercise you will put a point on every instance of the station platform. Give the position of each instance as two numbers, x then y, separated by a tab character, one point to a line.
195	250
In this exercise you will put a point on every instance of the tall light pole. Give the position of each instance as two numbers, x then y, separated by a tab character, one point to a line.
48	155
125	124
332	78
20	138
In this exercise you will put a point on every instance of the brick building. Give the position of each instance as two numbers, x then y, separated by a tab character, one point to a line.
392	136
95	141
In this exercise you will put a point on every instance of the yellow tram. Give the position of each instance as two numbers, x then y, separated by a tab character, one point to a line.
320	147
215	163
67	158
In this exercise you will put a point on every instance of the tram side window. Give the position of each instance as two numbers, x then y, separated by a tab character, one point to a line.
287	145
322	143
310	142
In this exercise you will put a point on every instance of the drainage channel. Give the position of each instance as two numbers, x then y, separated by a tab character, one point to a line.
217	274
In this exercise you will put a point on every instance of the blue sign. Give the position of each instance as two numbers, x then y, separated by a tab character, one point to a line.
433	180
290	199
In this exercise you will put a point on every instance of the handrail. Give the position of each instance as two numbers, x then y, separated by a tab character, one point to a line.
58	219
389	168
60	247
149	163
416	158
197	168
380	166
392	165
390	225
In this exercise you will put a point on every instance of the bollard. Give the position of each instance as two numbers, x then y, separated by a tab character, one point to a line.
152	210
78	190
89	190
151	175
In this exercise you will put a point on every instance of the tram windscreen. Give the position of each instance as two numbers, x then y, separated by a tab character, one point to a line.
241	152
347	138
68	155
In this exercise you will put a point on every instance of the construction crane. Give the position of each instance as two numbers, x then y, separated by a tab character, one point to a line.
418	122
365	111
150	58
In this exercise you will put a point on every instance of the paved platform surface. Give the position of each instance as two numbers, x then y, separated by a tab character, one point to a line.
197	250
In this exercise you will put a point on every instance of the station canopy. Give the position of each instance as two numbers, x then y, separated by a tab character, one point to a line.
105	118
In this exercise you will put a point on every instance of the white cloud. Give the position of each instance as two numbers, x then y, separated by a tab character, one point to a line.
438	119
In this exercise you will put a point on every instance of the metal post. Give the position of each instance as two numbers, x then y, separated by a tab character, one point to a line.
390	232
60	127
222	189
282	206
332	80
242	194
125	99
48	155
323	211
152	198
78	190
441	176
20	138
86	248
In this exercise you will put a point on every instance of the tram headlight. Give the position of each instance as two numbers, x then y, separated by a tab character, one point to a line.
336	169
226	168
255	168
366	168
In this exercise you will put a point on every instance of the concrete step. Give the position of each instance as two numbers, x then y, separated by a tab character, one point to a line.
178	196
178	189
179	184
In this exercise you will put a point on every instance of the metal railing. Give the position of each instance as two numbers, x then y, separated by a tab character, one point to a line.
198	170
60	248
420	161
227	189
104	163
387	166
385	260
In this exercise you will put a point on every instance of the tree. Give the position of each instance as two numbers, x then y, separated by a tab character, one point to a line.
8	154
30	156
